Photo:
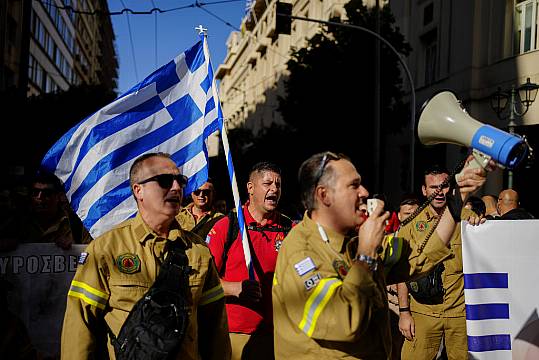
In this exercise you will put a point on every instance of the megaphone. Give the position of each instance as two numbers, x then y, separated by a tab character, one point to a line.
443	120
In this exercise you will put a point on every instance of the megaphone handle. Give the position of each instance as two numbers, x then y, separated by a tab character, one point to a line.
480	160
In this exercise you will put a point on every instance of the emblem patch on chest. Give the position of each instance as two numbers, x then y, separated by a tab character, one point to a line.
341	268
421	226
128	263
278	242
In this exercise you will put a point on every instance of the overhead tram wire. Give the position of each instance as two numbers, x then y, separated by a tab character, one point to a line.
127	10
197	4
155	33
131	41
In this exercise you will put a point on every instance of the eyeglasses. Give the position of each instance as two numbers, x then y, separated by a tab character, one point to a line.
44	192
204	192
165	181
328	156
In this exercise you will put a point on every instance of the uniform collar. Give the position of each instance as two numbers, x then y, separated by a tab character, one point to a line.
336	240
143	231
249	219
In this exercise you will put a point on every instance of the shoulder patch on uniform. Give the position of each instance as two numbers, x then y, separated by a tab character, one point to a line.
341	268
128	263
304	266
312	281
421	226
82	258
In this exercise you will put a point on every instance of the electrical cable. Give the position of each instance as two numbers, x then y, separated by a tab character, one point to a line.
131	41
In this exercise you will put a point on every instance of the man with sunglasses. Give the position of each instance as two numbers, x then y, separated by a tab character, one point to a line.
329	290
249	306
119	267
50	219
200	215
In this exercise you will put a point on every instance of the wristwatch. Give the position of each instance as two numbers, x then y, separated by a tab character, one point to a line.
370	261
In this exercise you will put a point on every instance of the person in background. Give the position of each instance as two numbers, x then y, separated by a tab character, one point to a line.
407	206
200	215
491	211
509	206
49	221
476	205
248	300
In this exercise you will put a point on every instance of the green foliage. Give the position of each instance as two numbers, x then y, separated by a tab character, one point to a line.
332	79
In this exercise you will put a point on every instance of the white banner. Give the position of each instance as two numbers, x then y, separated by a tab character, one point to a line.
40	275
501	289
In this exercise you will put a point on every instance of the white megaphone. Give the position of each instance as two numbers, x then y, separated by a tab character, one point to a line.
443	120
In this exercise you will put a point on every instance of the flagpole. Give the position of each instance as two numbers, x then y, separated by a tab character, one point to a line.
230	165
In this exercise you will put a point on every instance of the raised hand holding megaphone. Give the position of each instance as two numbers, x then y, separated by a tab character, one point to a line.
443	120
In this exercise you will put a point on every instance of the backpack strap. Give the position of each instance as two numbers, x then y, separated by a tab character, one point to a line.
231	235
233	230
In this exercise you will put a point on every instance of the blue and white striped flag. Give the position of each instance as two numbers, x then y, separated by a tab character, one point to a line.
173	110
500	277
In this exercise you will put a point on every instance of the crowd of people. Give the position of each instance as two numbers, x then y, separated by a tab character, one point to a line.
342	282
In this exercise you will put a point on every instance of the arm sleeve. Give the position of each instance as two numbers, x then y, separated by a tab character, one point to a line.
334	309
216	241
413	262
214	342
87	298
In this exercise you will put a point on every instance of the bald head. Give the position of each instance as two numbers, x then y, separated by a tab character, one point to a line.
507	201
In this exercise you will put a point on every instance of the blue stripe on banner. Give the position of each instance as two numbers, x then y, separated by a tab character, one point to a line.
487	311
230	166
194	57
106	203
53	156
212	127
196	181
114	125
189	115
486	280
489	343
210	105
206	84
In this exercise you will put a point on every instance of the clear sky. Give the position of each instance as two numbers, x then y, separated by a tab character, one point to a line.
175	33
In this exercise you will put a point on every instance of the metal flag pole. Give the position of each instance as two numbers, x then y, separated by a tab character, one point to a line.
230	164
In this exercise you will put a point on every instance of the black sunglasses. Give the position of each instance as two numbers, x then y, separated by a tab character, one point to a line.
165	181
328	156
47	192
204	192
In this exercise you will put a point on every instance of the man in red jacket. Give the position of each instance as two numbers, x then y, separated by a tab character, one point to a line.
248	302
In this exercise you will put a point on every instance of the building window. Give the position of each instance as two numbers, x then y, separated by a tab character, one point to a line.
428	14
525	26
430	45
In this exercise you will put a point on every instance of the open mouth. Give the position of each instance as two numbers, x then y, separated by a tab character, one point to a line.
272	199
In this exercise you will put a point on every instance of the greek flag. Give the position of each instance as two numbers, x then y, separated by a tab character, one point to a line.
500	277
173	110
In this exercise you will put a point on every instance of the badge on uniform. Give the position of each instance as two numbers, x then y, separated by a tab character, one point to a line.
421	226
341	268
128	263
304	266
278	242
82	258
413	286
312	281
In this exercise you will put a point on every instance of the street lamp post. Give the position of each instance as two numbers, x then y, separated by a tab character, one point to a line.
524	96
